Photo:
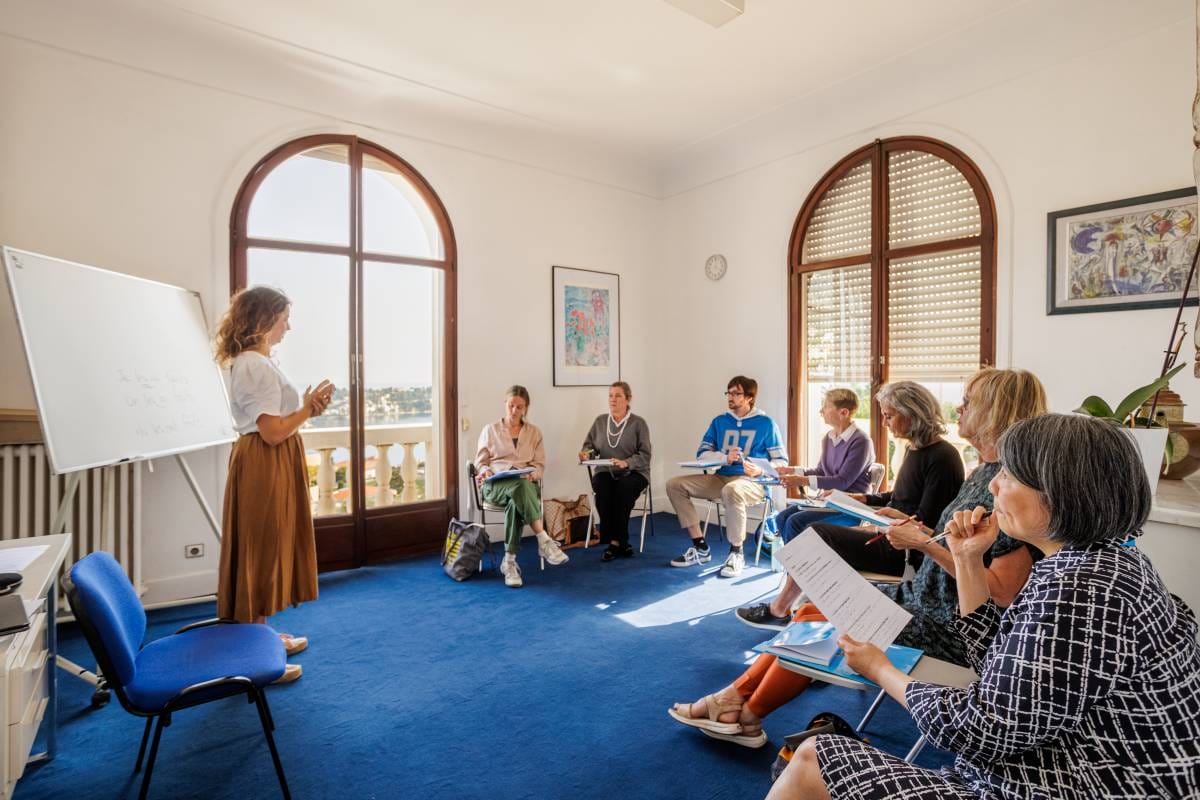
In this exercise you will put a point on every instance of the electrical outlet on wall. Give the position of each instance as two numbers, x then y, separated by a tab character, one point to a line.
193	550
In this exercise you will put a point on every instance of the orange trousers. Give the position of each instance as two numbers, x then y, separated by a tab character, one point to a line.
766	685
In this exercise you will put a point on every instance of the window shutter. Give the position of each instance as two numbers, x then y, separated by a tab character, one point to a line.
933	316
929	200
837	325
841	224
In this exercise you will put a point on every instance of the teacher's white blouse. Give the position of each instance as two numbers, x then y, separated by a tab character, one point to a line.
257	387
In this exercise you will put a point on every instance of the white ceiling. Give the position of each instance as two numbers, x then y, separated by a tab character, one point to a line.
634	94
638	73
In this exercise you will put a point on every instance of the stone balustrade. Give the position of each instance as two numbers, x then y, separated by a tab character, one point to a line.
383	438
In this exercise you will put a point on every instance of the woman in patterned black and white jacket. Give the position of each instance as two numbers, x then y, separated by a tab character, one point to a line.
1089	683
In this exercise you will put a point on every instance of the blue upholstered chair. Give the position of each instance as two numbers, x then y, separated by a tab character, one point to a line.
200	663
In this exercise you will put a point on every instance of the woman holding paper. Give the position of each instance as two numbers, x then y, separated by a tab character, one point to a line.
928	480
993	401
1089	682
268	545
623	438
513	444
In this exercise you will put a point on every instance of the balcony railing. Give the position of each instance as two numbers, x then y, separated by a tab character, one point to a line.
383	438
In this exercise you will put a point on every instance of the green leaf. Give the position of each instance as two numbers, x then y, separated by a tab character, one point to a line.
1094	406
1138	397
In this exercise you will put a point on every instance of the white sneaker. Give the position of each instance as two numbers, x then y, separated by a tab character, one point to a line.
733	565
549	550
512	574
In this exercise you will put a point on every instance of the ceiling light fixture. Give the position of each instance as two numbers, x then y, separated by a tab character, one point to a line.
714	12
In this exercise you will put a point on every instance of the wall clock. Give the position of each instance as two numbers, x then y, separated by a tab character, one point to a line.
715	267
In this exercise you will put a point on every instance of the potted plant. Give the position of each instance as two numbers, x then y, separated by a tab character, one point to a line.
1151	437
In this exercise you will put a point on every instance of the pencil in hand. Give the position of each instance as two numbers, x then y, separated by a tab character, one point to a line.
944	534
881	534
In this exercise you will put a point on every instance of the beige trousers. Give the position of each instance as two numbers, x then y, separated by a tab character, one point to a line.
735	492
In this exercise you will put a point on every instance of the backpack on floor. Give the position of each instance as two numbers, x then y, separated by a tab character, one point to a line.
824	723
462	554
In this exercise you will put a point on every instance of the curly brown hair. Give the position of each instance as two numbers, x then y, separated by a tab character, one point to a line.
251	314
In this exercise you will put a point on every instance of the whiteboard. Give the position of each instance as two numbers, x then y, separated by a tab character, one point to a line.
122	367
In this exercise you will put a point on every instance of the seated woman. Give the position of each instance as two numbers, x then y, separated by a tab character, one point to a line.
625	438
929	478
1089	683
512	443
845	463
993	400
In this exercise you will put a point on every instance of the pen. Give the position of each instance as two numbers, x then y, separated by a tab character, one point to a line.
881	534
944	534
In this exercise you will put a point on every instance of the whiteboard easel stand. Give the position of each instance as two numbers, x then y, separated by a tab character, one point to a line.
59	524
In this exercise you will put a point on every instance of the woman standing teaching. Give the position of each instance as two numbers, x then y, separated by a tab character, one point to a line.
268	546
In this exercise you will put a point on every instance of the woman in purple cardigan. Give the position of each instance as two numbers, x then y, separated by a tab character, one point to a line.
846	456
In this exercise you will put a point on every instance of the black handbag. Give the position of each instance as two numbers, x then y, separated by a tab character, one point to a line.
824	723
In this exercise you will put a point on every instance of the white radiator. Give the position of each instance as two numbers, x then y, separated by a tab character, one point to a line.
105	514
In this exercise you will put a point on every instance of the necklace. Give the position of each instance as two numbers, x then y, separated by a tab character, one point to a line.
608	431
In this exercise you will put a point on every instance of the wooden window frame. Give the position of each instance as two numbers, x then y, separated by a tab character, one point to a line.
368	536
879	258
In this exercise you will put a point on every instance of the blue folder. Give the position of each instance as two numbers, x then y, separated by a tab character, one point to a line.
902	658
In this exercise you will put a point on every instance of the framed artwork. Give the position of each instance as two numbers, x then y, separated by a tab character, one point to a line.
587	327
1123	255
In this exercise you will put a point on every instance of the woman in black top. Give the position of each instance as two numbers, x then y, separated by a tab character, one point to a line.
928	481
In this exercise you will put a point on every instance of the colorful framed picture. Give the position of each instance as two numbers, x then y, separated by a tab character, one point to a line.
587	327
1123	255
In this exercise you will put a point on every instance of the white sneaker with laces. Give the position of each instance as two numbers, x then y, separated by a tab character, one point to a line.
549	550
512	574
733	565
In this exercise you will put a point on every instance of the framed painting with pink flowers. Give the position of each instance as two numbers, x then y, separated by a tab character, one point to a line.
587	327
1123	255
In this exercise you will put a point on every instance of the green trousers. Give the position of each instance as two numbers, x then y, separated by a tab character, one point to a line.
522	506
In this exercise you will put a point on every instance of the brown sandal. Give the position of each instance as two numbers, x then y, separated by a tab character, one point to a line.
682	712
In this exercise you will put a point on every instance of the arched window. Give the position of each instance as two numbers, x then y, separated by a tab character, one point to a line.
892	266
363	246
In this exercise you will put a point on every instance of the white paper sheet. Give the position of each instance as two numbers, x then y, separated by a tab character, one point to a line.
847	599
597	462
16	559
766	466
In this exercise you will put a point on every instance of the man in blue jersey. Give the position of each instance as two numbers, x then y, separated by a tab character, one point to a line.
742	432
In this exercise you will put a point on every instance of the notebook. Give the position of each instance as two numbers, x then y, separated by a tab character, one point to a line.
811	641
844	502
903	658
706	461
508	473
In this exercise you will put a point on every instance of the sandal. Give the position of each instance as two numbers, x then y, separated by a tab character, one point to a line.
293	644
751	736
681	712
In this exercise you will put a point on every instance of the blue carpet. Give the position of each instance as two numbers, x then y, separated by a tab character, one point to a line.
417	687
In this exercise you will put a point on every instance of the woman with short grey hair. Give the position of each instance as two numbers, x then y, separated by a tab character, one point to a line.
1089	683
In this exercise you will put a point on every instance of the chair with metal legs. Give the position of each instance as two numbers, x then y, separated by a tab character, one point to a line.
200	663
645	499
768	507
481	508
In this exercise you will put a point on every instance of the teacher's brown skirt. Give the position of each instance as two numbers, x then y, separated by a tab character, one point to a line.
268	547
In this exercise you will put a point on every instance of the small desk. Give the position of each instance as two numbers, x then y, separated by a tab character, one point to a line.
928	670
28	679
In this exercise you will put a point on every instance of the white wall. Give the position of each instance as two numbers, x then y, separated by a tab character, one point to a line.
137	172
135	169
1108	124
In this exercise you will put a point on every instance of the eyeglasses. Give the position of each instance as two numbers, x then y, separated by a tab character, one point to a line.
735	393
